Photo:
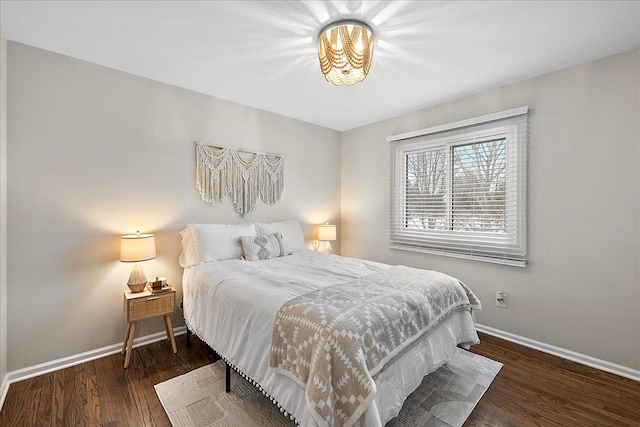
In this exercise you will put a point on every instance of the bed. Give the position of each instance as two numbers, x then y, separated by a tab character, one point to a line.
235	290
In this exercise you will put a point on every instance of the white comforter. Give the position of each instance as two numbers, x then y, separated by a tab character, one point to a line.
232	305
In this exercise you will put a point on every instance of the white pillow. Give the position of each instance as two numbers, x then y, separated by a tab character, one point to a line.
292	237
262	246
189	256
214	242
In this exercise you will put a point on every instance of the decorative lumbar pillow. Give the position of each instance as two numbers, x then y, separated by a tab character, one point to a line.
215	242
292	237
262	246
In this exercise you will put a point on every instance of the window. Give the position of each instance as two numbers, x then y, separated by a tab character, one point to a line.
460	189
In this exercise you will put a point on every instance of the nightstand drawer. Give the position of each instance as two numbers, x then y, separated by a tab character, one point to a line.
149	306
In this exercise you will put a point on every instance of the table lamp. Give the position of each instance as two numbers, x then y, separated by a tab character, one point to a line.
326	235
136	248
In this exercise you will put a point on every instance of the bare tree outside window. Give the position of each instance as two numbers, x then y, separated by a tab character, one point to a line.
479	187
426	190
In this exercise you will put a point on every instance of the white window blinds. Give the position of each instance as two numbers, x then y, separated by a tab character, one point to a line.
460	189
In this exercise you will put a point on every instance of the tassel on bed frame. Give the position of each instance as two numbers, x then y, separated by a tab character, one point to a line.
251	381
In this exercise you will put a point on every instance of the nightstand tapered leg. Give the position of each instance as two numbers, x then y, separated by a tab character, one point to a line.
169	327
132	333
126	339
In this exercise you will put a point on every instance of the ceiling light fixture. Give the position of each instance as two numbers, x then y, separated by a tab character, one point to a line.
345	49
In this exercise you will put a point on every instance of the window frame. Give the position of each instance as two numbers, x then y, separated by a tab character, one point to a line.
504	248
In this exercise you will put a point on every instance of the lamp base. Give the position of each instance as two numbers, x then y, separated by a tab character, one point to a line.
137	288
137	279
323	246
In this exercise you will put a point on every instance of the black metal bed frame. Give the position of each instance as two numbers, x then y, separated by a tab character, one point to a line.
253	382
227	369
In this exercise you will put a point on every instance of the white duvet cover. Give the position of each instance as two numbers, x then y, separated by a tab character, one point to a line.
232	304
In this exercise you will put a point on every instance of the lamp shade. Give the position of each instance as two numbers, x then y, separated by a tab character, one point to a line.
137	247
327	232
345	49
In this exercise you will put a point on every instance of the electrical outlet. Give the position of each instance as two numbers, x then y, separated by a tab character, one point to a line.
501	299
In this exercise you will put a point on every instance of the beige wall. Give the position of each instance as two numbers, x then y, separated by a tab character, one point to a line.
581	289
3	209
94	153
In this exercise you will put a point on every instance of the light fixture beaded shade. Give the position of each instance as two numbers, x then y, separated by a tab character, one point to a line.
345	49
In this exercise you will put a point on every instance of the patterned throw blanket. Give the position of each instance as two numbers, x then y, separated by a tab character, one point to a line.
333	341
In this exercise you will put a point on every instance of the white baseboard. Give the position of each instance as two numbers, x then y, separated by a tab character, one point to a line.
4	388
583	359
76	359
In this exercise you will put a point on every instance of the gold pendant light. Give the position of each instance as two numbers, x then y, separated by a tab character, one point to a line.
345	49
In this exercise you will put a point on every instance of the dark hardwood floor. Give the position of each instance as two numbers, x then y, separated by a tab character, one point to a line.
538	389
532	389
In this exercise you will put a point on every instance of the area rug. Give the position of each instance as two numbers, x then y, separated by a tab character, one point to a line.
445	398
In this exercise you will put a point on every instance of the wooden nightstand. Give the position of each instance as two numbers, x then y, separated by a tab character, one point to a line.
144	305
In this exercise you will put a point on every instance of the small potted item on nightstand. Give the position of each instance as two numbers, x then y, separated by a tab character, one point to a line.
160	285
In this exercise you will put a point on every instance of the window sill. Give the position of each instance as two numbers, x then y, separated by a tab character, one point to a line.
482	258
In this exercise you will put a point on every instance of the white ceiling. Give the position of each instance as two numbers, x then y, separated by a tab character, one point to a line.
263	53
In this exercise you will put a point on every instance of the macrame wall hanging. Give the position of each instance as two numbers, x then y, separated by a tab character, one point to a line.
222	171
